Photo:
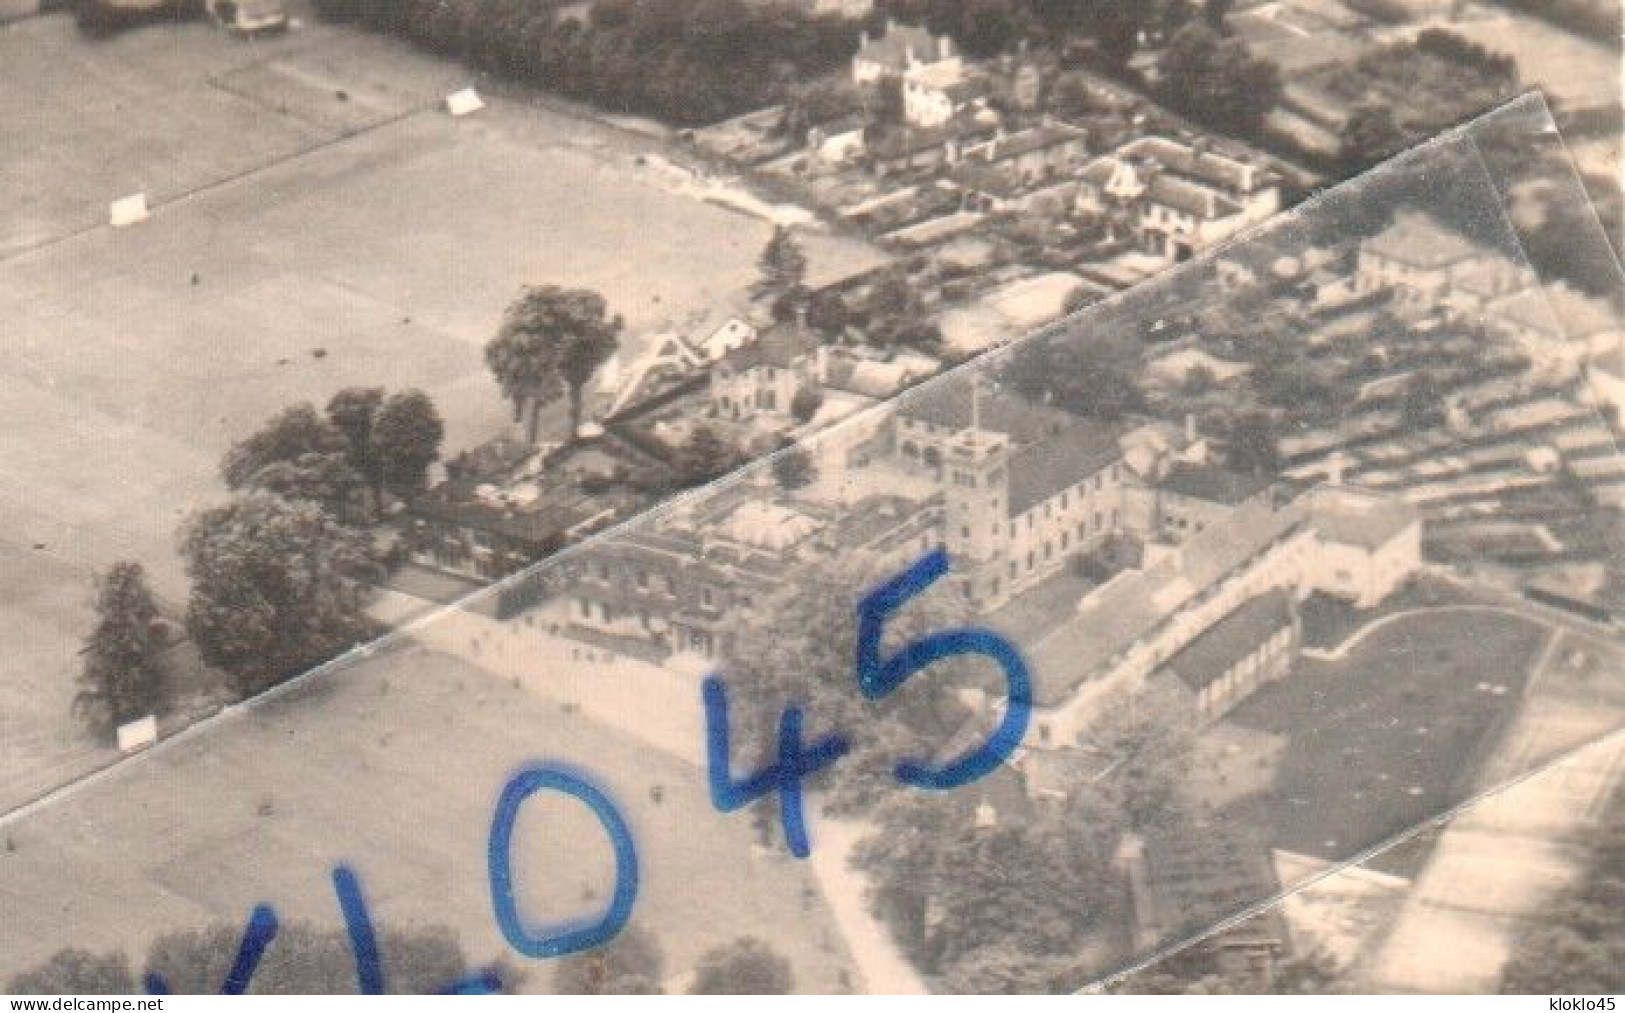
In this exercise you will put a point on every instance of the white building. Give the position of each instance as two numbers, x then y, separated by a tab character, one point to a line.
903	48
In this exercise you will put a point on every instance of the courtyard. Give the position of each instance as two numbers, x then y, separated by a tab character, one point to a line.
1393	733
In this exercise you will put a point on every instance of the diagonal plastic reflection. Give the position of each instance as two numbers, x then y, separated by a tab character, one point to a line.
1259	530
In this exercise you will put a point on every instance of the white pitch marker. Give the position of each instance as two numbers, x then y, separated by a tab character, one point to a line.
138	734
461	103
127	211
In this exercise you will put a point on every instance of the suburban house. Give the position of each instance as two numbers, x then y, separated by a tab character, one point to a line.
1183	197
901	49
762	378
935	93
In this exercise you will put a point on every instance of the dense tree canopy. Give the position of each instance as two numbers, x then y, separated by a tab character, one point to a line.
687	62
76	971
274	588
1216	81
746	966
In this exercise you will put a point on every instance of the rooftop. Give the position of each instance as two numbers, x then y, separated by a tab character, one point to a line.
1060	461
1217	650
1212	483
1200	164
899	44
1132	605
1419	240
1191	197
1039	138
947	404
1357	517
781	346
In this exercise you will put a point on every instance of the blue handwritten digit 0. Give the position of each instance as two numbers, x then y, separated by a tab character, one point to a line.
568	937
794	765
879	676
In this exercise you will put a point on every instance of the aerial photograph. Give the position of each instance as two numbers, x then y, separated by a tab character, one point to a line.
812	496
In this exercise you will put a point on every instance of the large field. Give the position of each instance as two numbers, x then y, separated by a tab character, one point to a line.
372	766
341	230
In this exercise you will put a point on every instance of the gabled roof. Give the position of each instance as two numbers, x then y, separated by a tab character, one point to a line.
892	49
1039	138
1221	646
782	346
1205	166
1062	460
1135	603
948	405
1190	197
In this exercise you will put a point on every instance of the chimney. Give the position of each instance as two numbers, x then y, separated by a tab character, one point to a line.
1190	428
863	39
945	48
1021	47
801	317
1335	465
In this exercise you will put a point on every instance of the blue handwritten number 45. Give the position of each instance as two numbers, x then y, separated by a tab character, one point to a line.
878	675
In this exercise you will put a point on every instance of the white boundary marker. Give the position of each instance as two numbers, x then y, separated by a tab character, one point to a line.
463	102
127	211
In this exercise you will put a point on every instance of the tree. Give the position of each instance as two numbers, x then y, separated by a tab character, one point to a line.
353	412
794	468
1217	81
288	436
1370	135
828	314
1252	448
746	966
121	679
1144	751
551	337
629	964
1001	969
324	479
76	971
949	886
704	456
304	960
406	440
275	588
783	267
805	404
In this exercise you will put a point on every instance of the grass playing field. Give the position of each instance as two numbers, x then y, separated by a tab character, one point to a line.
341	230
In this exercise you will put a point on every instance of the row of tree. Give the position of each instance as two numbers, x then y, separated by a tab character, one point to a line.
683	61
633	964
301	960
278	573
